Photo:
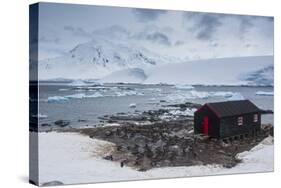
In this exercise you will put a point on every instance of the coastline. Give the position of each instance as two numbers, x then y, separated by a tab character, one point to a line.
76	158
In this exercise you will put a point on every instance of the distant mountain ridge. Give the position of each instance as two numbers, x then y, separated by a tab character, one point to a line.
98	58
118	61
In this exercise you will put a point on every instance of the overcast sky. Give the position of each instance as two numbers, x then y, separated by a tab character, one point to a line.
187	35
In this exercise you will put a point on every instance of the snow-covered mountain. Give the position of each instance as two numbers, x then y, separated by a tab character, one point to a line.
122	61
97	59
255	70
134	75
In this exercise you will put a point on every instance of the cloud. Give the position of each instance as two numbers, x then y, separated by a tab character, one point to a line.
145	15
77	31
49	39
154	37
179	43
158	37
245	23
114	31
204	24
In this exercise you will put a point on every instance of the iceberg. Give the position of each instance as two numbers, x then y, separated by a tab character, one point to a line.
57	99
133	105
78	83
83	95
184	86
193	94
127	93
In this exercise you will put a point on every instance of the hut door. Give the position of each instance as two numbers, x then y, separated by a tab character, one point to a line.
206	125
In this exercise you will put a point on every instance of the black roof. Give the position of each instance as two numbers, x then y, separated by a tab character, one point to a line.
231	108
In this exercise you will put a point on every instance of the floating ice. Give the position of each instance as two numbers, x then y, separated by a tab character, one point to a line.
94	95
223	94
63	89
133	105
181	96
78	83
83	95
76	96
40	116
57	99
265	93
127	93
184	86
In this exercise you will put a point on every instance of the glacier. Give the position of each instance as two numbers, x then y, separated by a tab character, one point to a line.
222	71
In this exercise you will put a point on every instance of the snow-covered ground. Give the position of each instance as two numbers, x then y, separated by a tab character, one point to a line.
73	158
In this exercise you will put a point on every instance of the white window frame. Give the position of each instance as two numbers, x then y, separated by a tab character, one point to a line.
240	121
256	118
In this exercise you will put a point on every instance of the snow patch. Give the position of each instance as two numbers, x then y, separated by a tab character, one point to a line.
173	114
74	158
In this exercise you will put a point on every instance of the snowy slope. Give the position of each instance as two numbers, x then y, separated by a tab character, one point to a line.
73	158
257	70
97	59
134	75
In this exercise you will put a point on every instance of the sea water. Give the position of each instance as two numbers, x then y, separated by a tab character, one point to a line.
83	105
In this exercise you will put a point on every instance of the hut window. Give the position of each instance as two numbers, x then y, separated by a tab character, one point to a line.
240	120
256	117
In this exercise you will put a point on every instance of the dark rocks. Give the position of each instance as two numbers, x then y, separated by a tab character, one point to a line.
108	133
82	120
172	142
46	125
108	157
62	123
186	105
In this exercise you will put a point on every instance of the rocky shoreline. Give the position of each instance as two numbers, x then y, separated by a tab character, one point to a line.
164	137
